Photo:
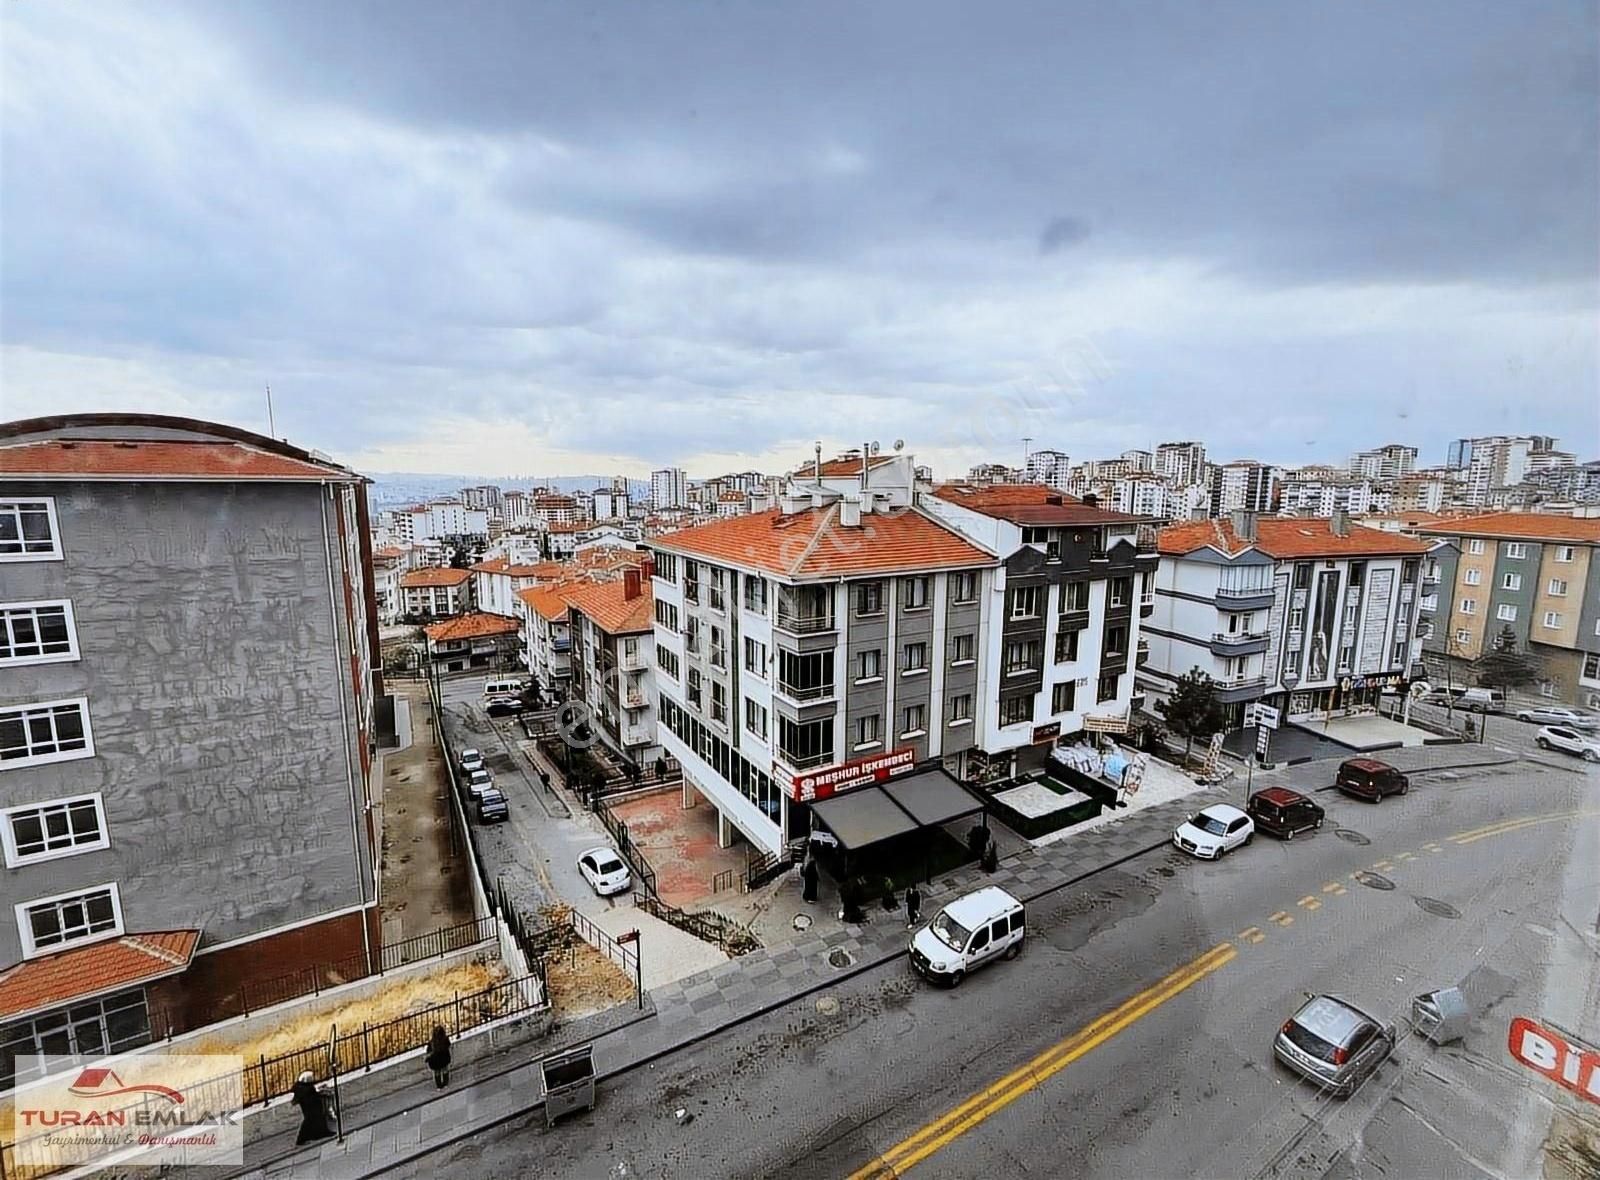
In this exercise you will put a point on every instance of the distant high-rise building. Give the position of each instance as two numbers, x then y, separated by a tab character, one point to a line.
1241	486
1140	460
669	488
1181	462
1047	467
1386	463
1497	461
485	498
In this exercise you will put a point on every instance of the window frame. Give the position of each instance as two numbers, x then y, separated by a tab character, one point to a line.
1552	626
1506	612
1473	577
1510	581
71	655
957	702
863	740
46	759
1516	550
909	730
862	676
31	949
13	504
1071	687
964	587
14	858
957	660
1025	602
1475	546
1551	590
906	667
914	587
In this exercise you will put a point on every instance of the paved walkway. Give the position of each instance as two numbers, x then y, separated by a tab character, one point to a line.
730	993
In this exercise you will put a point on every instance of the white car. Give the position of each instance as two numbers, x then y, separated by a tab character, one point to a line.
605	871
471	760
479	781
1560	737
1214	830
1556	715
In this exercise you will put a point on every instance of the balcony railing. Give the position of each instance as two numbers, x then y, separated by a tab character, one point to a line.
797	624
1244	591
1242	682
630	661
805	761
1430	578
802	694
1238	636
1072	620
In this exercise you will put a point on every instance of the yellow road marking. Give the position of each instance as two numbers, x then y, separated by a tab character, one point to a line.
1407	856
1513	825
1383	866
1282	918
1431	846
1252	934
1309	902
994	1098
1333	887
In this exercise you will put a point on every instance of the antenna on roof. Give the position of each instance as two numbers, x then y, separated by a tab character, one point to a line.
272	427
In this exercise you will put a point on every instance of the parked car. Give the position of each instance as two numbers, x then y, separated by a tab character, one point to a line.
1560	737
605	871
1283	813
471	760
479	781
493	807
972	930
1367	778
503	706
1556	715
1216	829
1479	700
1334	1043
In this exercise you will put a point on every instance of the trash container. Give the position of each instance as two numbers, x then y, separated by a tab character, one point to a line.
1442	1016
568	1082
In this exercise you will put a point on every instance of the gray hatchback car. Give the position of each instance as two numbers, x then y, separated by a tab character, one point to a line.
1334	1043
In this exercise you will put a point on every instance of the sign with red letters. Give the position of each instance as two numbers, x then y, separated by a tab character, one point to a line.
1545	1051
812	785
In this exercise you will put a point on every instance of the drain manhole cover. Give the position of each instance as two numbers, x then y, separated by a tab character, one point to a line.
1374	881
802	922
1439	909
843	958
828	1006
1352	837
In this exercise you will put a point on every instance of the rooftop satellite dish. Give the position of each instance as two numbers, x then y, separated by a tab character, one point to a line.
899	444
875	448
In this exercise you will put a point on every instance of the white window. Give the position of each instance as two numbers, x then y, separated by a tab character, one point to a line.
962	648
1063	697
915	658
1552	620
37	632
1022	657
755	718
869	664
61	827
1511	582
961	708
1558	587
719	703
52	922
1547	688
755	594
1473	577
915	721
1506	613
50	731
964	586
1516	549
1463	636
1564	553
1591	666
1475	545
755	657
914	593
1025	602
1469	606
28	530
867	730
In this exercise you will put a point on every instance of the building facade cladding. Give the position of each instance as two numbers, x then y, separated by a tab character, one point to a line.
612	676
223	635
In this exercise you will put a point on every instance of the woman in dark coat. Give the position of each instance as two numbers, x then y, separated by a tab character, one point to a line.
313	1110
808	880
438	1058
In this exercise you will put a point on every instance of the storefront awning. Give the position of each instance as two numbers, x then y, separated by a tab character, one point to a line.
94	969
932	797
870	815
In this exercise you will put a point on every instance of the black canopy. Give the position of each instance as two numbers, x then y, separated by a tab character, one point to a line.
870	815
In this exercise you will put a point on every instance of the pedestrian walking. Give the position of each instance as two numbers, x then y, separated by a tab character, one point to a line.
313	1110
913	904
438	1058
808	881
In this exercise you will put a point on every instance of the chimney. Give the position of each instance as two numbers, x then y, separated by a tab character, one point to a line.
850	512
1339	525
1244	524
630	583
759	502
647	569
1090	500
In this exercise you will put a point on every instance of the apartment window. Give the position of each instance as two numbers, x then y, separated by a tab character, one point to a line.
1121	591
55	921
964	586
1075	596
28	530
51	731
692	688
963	649
667	615
755	595
1506	612
869	665
1025	602
1063	697
719	702
914	593
61	827
755	657
1347	655
755	718
1547	689
914	721
1475	546
719	650
666	567
667	661
1463	636
1116	641
1106	690
1035	536
691	581
1511	582
867	730
1558	587
869	599
1302	576
1022	657
914	658
961	708
1015	710
1067	647
1552	619
90	1028
37	633
691	634
1472	577
1564	553
718	602
1397	657
1516	549
1469	606
1591	666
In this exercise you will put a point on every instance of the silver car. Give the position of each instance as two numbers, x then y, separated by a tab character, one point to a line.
1334	1043
1556	715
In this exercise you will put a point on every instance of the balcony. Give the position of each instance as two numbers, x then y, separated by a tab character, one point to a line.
804	624
1238	643
1072	620
561	645
1240	688
1141	656
1147	606
1430	577
631	661
804	761
1236	598
804	694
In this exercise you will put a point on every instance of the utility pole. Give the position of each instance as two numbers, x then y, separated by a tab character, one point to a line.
272	426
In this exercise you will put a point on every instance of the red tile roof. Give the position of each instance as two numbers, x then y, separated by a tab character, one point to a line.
388	552
1532	526
83	971
814	544
473	626
1286	537
604	602
434	576
227	461
548	601
845	465
1029	503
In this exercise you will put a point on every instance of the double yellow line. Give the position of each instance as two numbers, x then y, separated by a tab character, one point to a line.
1513	825
989	1101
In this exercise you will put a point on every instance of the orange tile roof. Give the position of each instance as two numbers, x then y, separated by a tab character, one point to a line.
473	626
83	971
845	465
1029	503
434	576
1285	537
604	602
1534	526
80	458
814	544
389	552
548	601
491	565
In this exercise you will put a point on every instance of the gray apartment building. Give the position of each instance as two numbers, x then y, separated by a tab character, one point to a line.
187	701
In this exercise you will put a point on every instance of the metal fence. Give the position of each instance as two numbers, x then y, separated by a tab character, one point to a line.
644	877
733	938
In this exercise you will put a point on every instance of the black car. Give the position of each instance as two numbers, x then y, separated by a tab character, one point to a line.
492	807
1283	813
1367	778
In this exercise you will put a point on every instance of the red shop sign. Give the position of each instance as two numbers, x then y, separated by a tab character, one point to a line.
1572	1067
820	784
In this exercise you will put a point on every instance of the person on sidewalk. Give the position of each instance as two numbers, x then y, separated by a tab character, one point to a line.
313	1110
438	1057
913	904
808	880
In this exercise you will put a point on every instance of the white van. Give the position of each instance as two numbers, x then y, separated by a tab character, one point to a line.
502	688
967	933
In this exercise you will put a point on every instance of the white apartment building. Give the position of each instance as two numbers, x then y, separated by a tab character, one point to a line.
496	581
1496	461
550	508
1048	467
609	503
1242	486
389	563
1181	462
483	498
1325	497
435	593
546	636
1316	617
612	658
669	488
1386	463
434	521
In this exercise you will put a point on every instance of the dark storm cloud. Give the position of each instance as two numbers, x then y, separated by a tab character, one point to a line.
1062	232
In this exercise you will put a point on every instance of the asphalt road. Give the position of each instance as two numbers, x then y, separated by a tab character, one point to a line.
1068	1063
1504	731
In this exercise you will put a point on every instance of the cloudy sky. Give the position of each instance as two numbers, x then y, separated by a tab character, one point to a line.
505	238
